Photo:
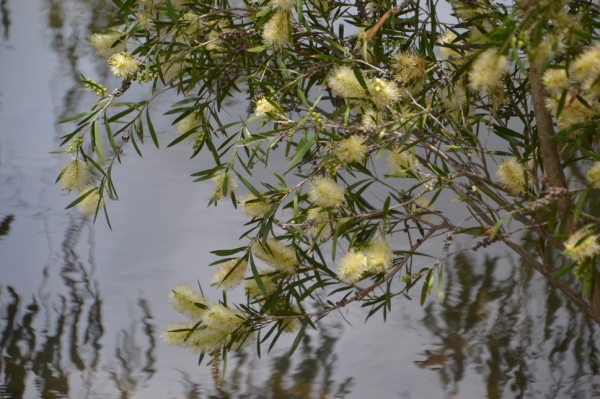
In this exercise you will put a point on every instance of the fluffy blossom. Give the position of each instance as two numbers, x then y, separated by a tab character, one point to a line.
104	43
188	302
448	53
383	93
320	229
123	65
188	123
219	181
253	207
371	118
582	244
487	70
253	290
286	5
555	81
351	149
512	176
593	174
352	267
92	202
326	192
380	257
275	31
586	67
74	175
230	274
423	208
263	107
409	66
401	162
344	83
278	255
221	318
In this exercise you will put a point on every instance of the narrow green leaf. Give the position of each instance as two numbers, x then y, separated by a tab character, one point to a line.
151	128
301	152
298	338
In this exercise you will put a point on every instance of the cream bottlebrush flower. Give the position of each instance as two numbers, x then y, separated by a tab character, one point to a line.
423	208
593	174
278	255
352	267
351	149
409	66
586	67
192	121
263	107
448	53
219	181
286	5
344	83
575	113
230	274
92	202
380	257
383	93
275	31
221	318
326	192
253	290
371	118
188	302
320	228
104	43
253	207
123	65
74	175
400	162
582	244
512	176
290	325
455	99
200	341
179	4
555	81
487	70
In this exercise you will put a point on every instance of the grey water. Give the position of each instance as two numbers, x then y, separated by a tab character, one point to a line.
82	307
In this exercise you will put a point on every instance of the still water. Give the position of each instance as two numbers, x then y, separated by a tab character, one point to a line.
82	307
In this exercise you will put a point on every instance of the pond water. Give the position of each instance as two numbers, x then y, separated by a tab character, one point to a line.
82	307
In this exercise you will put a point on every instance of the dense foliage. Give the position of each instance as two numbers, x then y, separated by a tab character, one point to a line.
380	109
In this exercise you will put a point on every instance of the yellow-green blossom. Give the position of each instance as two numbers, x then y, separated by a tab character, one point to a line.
286	5
383	93
512	176
582	244
423	208
320	228
352	267
230	274
263	107
278	255
487	70
409	66
253	207
188	302
380	257
219	181
74	175
275	31
555	81
400	162
586	67
344	83
104	43
326	192
351	149
593	174
221	318
253	290
123	65
92	202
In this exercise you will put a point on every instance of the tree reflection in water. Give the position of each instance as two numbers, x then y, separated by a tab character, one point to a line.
519	334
